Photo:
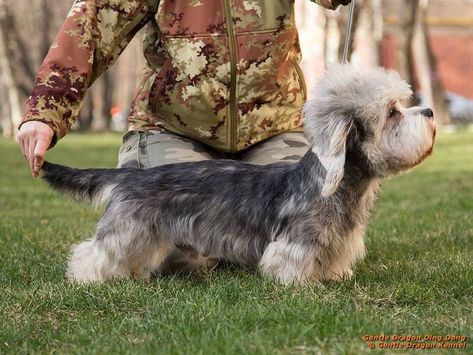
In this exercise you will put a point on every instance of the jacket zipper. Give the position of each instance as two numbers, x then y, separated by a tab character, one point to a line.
233	73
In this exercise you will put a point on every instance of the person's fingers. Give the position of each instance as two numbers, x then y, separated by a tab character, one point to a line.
30	154
39	152
34	139
21	143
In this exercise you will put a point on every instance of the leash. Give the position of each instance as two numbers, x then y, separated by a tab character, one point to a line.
349	31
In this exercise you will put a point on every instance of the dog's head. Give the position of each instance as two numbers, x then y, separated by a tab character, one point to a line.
359	112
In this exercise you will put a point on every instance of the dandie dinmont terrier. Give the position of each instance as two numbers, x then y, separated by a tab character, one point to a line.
296	222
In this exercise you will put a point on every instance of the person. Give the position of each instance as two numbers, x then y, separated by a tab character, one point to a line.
222	80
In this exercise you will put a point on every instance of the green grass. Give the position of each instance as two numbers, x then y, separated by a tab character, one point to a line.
417	278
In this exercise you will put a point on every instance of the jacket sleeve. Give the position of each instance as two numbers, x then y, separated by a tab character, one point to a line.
91	39
331	4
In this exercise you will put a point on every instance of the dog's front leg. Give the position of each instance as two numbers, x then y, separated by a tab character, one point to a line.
338	275
349	251
287	262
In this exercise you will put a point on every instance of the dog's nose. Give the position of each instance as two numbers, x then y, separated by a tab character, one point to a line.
428	113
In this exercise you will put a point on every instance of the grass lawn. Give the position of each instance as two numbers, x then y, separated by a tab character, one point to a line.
417	278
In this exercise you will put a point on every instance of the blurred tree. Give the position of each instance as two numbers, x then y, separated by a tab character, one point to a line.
374	24
103	101
27	29
44	17
18	55
86	114
9	96
407	20
330	52
429	78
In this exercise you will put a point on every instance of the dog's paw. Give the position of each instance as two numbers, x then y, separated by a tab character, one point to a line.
348	274
141	274
187	261
337	276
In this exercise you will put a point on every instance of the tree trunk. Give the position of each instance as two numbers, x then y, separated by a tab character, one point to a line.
107	93
6	124
331	36
431	84
11	121
23	72
407	20
86	113
45	16
373	16
103	101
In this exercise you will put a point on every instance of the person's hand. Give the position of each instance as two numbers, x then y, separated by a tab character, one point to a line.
34	138
333	4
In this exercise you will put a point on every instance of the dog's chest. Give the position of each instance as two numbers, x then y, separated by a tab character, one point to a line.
347	218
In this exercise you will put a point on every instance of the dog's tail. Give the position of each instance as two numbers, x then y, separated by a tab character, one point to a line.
86	185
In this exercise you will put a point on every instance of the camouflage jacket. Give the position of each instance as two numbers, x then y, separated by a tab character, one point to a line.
223	72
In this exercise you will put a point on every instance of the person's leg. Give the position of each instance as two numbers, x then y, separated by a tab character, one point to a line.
286	147
155	148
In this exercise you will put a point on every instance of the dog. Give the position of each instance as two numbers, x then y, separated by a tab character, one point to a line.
295	223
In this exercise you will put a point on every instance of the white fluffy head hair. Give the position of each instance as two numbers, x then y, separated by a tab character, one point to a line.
368	103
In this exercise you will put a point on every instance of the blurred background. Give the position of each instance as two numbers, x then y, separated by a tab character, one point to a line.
430	42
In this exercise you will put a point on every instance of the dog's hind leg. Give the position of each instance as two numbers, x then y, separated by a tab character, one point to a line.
98	259
287	262
147	258
89	261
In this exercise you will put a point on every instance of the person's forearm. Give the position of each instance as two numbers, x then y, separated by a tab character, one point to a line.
90	40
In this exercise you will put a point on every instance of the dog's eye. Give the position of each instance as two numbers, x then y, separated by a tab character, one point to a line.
392	112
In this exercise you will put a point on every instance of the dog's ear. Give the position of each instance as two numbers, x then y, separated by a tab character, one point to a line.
329	118
329	144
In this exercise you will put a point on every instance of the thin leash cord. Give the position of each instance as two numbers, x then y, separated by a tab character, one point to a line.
349	31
